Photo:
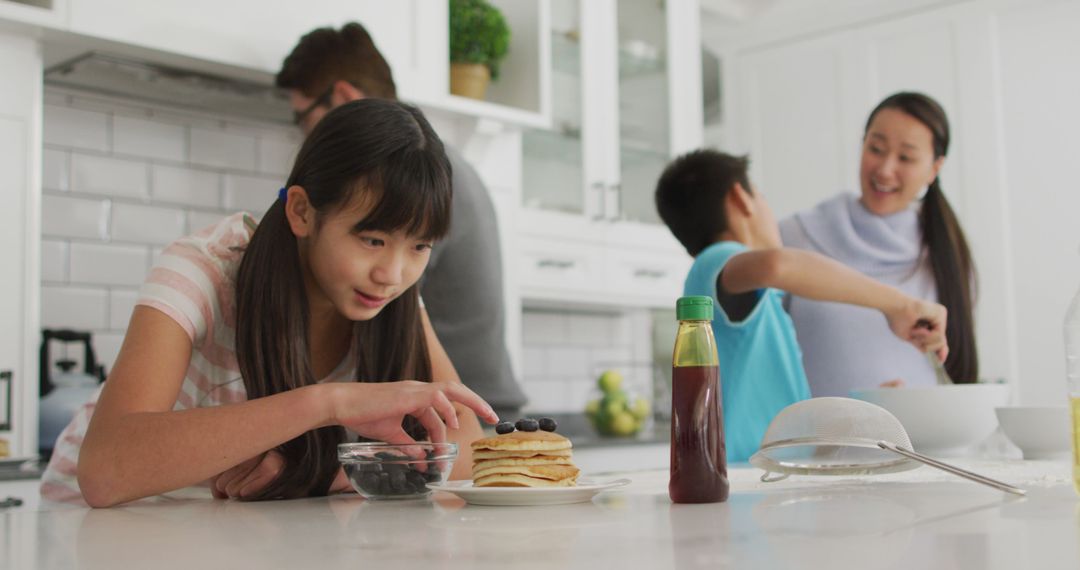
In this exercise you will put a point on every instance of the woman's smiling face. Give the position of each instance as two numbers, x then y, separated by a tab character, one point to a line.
898	162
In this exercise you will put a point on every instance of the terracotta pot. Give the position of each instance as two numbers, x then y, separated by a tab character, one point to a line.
469	79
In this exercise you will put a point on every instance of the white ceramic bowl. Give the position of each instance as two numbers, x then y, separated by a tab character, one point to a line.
1039	432
942	420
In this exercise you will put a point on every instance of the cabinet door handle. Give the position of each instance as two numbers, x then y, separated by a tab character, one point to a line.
600	214
649	273
555	263
615	191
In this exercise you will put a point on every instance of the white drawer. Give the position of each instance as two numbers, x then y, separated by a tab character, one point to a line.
550	269
648	278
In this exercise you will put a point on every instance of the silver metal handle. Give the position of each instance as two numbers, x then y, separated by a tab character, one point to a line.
600	210
952	469
555	263
615	191
652	273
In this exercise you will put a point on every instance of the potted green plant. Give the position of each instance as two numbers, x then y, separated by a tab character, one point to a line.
479	39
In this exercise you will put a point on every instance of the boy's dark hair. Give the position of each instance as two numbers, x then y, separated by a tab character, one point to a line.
326	55
690	195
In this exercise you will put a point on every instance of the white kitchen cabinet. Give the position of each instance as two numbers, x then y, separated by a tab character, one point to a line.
258	36
624	75
20	178
33	13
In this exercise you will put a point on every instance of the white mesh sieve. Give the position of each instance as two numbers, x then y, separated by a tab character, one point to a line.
832	436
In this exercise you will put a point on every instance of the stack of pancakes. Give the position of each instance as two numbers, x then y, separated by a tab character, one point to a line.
523	459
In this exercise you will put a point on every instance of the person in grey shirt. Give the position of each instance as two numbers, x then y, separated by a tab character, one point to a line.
462	287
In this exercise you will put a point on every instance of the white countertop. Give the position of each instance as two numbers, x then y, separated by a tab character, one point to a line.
920	519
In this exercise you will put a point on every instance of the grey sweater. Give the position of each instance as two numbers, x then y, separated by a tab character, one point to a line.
463	292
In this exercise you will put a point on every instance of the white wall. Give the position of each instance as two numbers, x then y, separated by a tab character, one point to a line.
799	85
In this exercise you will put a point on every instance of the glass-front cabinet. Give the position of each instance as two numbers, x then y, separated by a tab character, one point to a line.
614	96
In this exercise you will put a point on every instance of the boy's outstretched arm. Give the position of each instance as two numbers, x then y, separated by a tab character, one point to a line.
814	276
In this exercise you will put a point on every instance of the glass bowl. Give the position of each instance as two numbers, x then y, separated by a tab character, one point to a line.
380	471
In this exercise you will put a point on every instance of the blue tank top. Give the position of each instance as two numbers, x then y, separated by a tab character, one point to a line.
761	370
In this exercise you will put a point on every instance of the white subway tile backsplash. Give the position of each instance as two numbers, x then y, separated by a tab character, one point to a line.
543	327
112	176
106	347
185	186
76	128
55	172
64	216
54	260
72	307
222	149
578	393
148	138
589	330
108	264
534	361
276	155
105	104
546	396
199	220
252	194
568	362
121	303
609	357
147	224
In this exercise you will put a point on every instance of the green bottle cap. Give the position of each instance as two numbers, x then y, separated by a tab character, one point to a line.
694	308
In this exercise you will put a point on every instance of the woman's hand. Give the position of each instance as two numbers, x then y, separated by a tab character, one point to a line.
248	478
921	323
375	410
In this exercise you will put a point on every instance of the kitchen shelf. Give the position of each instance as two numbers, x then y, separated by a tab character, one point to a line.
486	110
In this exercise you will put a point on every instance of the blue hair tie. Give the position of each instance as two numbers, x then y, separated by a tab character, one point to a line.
281	194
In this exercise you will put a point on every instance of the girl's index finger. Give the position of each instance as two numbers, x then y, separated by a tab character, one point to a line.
460	393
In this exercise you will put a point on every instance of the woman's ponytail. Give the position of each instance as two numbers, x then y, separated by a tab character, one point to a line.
954	277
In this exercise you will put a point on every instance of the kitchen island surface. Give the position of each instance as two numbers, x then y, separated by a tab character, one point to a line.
919	519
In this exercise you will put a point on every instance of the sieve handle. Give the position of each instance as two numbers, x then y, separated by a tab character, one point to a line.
952	469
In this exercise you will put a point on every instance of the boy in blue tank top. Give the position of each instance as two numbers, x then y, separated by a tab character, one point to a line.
708	203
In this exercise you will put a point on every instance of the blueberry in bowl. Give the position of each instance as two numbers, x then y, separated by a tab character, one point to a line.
381	471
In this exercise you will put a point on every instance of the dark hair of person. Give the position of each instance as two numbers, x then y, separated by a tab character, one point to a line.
690	195
375	146
944	242
326	55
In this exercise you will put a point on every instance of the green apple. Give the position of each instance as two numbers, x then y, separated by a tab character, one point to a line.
641	409
592	407
623	423
610	381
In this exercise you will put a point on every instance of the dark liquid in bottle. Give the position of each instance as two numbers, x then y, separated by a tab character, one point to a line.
698	453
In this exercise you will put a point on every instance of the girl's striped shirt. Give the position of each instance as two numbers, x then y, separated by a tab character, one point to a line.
193	281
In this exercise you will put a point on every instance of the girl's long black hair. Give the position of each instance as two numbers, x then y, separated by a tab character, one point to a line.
370	145
944	243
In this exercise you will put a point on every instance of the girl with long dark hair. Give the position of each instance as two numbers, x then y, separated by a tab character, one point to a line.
254	347
900	230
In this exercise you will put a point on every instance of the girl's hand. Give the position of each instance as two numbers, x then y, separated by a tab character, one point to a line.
375	410
921	323
249	477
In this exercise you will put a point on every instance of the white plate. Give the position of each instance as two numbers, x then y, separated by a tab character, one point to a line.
585	490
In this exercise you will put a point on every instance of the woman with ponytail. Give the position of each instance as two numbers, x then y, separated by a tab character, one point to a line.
255	348
900	230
